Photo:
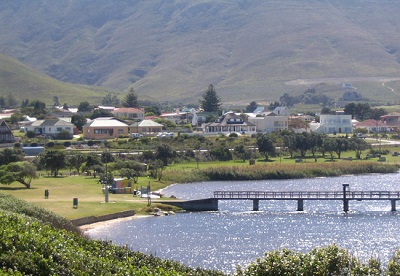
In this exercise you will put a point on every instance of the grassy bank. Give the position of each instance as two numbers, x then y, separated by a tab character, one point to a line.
91	200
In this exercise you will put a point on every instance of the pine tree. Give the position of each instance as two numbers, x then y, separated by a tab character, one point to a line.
210	102
131	99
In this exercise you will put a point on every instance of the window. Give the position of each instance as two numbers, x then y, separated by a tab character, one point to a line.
59	129
103	131
120	131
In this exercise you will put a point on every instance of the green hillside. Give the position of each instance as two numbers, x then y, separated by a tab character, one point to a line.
23	83
172	50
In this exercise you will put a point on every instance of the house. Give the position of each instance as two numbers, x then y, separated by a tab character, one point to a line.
282	110
129	113
392	120
50	127
374	126
336	123
6	135
146	127
104	128
231	122
269	122
178	117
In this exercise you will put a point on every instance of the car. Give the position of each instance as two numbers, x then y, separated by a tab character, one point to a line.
135	135
165	135
361	135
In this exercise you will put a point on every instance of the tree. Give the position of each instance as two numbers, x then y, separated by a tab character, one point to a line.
131	99
9	155
79	121
251	107
358	145
210	102
242	152
84	107
315	142
100	113
266	145
329	145
342	145
110	100
156	169
164	153
76	160
53	160
23	172
221	153
64	135
289	141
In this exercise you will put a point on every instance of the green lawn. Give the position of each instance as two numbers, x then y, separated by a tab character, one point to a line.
91	200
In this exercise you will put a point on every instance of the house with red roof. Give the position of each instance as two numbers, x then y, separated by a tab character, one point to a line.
375	126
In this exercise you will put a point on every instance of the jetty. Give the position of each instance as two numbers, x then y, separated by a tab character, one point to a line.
211	204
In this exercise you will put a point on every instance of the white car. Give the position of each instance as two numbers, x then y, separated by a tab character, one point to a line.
165	135
136	135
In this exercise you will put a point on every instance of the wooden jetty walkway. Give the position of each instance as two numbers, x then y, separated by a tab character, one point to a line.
300	196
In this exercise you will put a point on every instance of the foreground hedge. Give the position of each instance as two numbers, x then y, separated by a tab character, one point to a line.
13	204
29	247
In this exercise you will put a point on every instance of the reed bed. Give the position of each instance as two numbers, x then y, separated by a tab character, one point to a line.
278	171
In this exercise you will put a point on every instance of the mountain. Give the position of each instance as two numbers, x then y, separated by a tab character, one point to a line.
173	49
23	82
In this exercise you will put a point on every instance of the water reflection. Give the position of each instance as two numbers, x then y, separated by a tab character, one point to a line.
236	236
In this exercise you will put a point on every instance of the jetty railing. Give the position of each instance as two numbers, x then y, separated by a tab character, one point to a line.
346	195
323	195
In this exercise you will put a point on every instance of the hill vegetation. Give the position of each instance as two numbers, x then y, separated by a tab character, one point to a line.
250	50
23	82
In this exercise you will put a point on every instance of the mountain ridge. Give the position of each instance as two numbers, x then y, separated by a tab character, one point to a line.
172	50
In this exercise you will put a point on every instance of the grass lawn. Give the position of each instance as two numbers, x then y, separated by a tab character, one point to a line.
91	200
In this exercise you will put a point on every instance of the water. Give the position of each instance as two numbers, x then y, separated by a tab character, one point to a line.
237	236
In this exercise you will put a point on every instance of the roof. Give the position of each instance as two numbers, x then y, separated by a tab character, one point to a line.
146	123
105	122
50	122
371	123
127	110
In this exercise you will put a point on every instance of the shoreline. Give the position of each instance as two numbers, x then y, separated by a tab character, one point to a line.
91	226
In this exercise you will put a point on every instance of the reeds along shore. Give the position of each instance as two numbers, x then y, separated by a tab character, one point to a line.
278	171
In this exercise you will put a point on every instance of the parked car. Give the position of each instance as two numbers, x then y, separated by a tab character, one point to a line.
165	135
136	135
361	135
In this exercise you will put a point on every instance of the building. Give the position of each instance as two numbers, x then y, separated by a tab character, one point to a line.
392	120
269	122
146	127
337	123
129	113
104	128
6	135
374	126
231	122
50	127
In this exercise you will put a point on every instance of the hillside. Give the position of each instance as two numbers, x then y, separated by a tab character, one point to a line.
24	82
172	50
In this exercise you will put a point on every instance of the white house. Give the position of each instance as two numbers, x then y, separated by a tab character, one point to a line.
50	127
269	122
338	123
231	122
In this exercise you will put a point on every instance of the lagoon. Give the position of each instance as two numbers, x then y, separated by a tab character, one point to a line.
235	235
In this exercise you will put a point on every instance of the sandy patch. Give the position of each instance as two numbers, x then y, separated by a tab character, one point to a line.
95	225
